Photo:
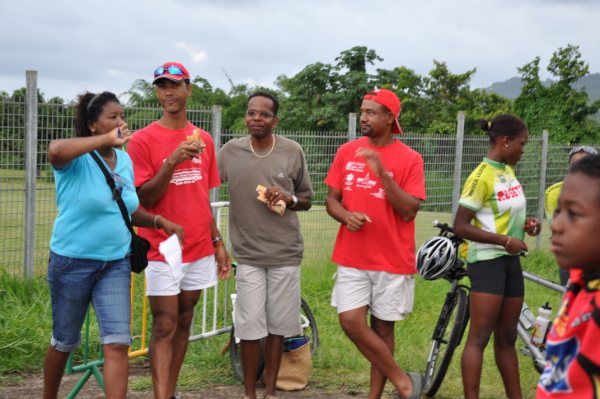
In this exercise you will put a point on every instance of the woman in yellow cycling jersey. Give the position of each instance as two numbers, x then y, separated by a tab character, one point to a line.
492	215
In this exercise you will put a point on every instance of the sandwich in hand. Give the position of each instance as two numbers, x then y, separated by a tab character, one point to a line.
278	207
195	137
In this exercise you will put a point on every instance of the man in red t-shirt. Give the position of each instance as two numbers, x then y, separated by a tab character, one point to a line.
175	167
376	185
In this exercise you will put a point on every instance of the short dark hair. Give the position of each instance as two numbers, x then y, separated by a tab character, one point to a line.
89	108
502	125
266	95
588	165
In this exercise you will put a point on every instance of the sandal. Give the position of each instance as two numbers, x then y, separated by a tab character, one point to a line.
417	386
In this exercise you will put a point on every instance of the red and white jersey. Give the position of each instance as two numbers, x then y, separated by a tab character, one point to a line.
573	345
388	242
186	201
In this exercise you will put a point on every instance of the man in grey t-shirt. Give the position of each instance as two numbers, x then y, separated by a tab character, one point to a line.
268	246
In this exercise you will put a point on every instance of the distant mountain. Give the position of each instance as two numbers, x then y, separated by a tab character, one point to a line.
511	88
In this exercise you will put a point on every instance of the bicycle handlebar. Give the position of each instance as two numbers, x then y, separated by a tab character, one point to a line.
443	226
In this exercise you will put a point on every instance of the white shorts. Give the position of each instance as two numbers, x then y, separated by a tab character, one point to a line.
389	296
267	302
164	280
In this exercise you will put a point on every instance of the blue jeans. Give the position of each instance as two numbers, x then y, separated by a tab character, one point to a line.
74	283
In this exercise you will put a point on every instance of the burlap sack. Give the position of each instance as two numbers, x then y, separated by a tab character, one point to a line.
295	369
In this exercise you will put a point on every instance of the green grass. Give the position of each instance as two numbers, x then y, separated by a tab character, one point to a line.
25	314
25	325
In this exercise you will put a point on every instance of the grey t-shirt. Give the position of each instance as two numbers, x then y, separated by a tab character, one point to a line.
259	236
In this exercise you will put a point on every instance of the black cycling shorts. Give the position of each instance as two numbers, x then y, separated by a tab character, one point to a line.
501	276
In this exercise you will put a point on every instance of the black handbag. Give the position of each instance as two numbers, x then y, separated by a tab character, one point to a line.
139	245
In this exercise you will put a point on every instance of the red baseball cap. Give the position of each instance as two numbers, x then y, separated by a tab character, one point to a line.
171	70
390	100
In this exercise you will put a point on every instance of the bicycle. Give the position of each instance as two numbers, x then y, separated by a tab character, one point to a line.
454	316
309	329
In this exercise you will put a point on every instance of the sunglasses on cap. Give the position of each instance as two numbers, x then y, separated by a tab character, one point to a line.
583	148
172	70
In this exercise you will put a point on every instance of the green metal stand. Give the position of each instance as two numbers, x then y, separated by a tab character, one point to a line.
88	368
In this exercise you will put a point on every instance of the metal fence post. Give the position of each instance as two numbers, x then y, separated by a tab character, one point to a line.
543	170
351	126
458	153
216	135
31	127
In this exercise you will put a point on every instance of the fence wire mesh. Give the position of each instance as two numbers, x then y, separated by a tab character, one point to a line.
438	151
12	178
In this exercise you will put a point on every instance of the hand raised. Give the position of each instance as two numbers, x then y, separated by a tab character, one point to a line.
373	160
119	135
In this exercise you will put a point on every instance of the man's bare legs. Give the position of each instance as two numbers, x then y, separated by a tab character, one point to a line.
385	329
172	316
374	348
251	360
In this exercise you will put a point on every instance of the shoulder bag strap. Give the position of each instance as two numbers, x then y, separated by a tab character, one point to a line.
117	196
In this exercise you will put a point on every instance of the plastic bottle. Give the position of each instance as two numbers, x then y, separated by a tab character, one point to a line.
540	328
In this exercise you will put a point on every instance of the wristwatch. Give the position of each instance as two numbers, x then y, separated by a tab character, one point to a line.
294	201
216	240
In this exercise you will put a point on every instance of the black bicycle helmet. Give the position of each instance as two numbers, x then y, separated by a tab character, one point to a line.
435	257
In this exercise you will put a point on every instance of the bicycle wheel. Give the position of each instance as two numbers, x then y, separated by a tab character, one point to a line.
235	356
446	337
309	326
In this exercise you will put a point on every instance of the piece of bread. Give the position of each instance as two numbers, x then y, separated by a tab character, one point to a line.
196	137
278	208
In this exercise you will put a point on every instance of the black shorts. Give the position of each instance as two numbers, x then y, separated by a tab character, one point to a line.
501	276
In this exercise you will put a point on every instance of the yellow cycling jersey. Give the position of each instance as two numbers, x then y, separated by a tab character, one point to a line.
551	200
493	192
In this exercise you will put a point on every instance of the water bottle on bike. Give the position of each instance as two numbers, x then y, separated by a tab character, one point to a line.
542	325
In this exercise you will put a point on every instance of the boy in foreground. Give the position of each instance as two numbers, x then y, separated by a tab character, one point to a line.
573	353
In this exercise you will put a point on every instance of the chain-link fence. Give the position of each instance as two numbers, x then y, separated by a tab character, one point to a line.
54	121
448	161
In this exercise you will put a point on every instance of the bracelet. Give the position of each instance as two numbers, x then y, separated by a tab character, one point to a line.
155	220
216	240
507	243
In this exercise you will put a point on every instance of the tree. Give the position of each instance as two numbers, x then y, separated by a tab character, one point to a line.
561	109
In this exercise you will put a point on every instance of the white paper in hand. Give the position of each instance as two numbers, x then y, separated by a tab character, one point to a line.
171	250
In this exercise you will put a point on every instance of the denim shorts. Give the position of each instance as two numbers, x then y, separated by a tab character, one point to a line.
74	283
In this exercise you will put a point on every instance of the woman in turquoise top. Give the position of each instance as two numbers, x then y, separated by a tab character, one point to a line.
494	201
89	261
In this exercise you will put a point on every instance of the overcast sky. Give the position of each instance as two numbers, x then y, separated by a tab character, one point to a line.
108	44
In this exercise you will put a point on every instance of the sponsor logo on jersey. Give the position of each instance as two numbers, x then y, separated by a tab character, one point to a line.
186	176
355	166
379	193
365	182
510	193
348	182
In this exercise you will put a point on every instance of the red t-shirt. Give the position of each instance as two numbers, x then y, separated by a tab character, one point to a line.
186	201
572	348
388	242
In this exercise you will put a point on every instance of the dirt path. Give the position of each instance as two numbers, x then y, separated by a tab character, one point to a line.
30	387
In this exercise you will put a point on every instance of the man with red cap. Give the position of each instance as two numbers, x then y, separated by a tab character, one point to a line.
376	185
175	167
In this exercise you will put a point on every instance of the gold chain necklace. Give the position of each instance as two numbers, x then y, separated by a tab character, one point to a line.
109	159
267	154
